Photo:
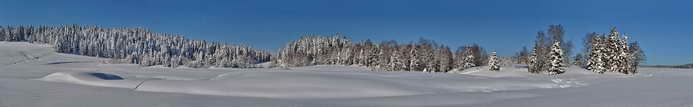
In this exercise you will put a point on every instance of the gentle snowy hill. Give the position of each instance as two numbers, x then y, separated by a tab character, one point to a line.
35	76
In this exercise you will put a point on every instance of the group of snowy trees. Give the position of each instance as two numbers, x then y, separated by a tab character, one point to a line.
613	53
548	55
425	55
136	45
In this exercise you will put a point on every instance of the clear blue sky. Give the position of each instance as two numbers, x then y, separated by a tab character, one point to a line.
664	27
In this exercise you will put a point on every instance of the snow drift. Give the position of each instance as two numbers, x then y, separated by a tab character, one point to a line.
307	84
91	78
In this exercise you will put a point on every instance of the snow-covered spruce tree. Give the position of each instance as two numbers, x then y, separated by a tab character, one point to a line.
556	59
595	59
557	33
493	62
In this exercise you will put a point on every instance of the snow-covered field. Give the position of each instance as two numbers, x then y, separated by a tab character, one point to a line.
34	76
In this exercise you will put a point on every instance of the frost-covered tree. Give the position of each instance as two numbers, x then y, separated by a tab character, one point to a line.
556	65
493	63
596	56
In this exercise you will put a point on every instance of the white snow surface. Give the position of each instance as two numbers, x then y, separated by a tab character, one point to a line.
34	76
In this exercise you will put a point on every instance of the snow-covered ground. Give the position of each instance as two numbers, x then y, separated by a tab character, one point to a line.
34	76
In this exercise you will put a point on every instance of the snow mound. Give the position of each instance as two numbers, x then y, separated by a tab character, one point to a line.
91	79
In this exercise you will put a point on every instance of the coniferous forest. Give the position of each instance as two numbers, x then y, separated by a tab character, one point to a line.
137	46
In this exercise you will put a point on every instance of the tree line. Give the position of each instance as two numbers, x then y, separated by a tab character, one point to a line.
424	55
550	53
137	46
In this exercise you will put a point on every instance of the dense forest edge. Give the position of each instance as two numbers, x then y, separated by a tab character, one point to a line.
136	46
551	54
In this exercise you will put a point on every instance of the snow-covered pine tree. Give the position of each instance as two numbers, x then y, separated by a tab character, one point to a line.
556	59
597	56
493	62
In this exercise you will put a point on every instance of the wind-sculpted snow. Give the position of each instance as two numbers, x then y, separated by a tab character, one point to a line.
91	78
309	84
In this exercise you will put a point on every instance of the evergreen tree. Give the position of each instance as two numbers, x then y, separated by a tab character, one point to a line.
493	63
556	59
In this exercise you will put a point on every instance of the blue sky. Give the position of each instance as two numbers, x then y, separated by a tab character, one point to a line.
663	27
